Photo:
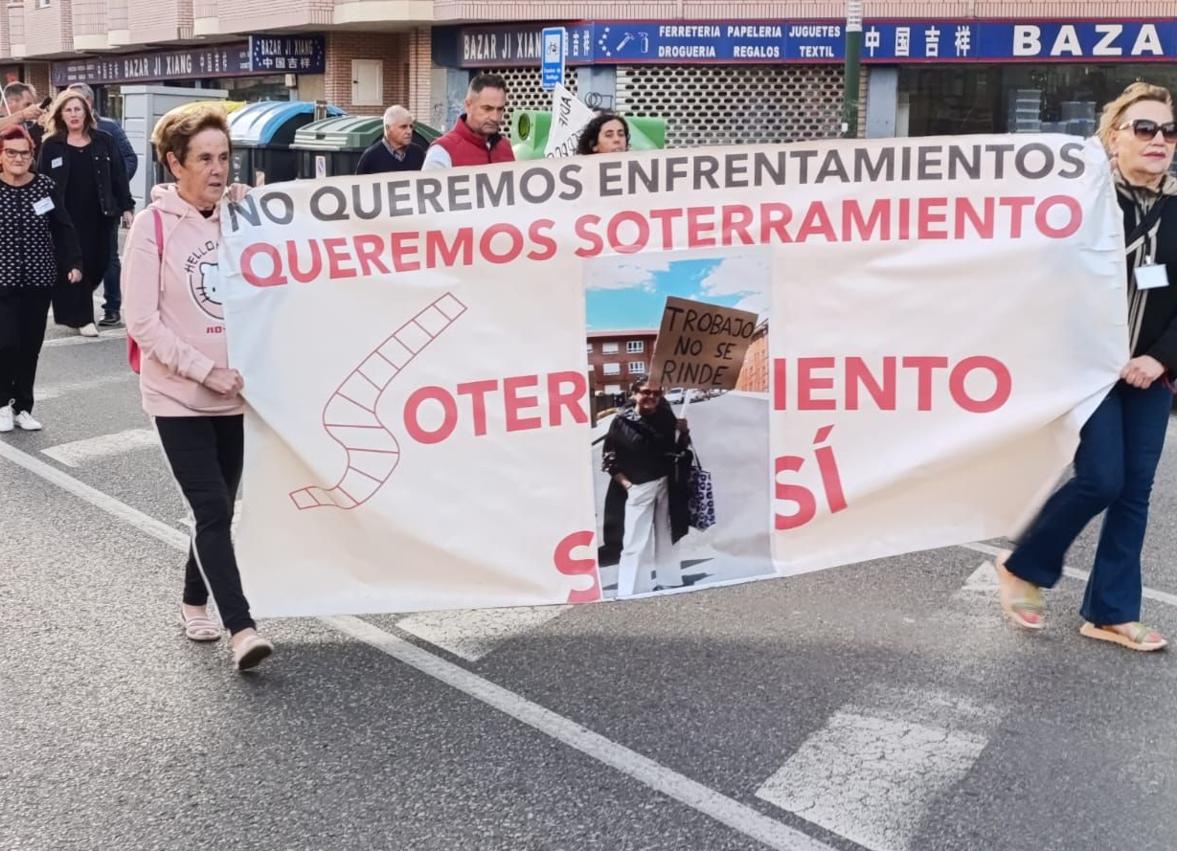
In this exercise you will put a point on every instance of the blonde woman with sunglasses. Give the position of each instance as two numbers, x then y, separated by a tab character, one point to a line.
1120	445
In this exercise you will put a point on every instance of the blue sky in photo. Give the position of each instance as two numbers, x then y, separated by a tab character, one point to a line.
642	305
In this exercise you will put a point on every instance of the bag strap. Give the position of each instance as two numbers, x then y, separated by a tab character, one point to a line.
1147	223
158	236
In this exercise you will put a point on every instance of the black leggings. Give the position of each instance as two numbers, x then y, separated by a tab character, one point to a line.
23	314
206	454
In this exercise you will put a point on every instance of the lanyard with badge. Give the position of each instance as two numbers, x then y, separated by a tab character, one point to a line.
1150	275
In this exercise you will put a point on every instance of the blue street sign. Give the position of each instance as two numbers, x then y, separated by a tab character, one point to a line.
554	42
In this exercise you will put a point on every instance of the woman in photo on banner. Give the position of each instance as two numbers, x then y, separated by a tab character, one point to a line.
42	248
1120	445
85	164
647	453
188	387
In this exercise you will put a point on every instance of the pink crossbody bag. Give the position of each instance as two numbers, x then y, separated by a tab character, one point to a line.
134	355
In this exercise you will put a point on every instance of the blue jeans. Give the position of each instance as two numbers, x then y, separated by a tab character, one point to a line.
1119	448
112	301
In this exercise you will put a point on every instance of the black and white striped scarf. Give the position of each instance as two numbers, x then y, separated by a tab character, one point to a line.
1143	250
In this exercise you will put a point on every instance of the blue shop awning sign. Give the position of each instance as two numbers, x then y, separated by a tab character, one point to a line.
287	54
770	42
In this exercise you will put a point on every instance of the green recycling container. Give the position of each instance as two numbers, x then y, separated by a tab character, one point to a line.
529	133
334	146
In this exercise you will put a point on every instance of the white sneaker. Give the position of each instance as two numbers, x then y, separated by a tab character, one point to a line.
88	330
26	422
6	418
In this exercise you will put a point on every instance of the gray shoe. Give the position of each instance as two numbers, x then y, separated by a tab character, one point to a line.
111	320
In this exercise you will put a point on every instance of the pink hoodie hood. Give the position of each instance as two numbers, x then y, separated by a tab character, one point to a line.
174	312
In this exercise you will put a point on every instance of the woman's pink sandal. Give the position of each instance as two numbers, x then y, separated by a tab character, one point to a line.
199	628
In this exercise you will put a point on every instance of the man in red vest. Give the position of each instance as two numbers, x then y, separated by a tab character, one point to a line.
475	139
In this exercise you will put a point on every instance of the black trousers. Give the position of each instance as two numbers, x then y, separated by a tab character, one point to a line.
23	314
206	455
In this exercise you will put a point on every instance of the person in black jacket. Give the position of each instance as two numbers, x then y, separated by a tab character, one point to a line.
394	151
647	454
31	218
1120	445
89	172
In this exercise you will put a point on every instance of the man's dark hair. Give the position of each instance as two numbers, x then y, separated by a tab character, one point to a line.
16	89
592	131
487	81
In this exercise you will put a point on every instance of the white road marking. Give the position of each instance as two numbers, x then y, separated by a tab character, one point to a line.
56	391
871	779
984	578
1082	575
739	817
103	337
473	633
78	452
871	772
155	528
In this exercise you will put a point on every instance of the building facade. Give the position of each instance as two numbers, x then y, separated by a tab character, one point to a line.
720	73
618	358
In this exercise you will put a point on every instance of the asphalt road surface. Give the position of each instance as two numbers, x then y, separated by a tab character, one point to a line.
877	706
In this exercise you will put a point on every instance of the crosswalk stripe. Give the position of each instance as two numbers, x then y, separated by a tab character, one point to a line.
472	634
871	773
104	337
56	391
79	452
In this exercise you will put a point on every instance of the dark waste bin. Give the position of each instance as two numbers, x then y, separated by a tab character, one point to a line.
262	133
334	146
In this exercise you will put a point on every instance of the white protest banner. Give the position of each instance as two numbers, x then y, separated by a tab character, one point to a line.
569	117
942	315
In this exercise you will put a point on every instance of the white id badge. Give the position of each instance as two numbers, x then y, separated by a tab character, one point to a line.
43	206
55	162
1151	277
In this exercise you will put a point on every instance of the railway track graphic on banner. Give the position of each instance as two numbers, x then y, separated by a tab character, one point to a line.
350	414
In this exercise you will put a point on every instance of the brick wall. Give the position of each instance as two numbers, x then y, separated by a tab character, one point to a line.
116	14
16	25
754	374
48	30
246	16
37	75
159	20
420	101
392	48
90	17
5	31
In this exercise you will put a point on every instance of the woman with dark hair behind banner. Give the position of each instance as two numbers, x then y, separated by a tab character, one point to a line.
42	248
647	454
607	133
1120	444
85	164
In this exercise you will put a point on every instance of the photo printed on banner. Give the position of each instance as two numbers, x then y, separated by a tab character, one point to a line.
677	347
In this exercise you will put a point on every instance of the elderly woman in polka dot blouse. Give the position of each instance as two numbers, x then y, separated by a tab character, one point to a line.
38	240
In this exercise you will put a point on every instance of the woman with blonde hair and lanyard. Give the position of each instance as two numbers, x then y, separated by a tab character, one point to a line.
1120	445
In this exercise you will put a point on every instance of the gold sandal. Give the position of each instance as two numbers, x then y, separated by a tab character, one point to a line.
1021	601
1140	637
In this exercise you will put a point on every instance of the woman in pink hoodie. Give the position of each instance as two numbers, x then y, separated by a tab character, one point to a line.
173	311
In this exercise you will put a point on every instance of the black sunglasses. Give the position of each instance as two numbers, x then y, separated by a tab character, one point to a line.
1146	129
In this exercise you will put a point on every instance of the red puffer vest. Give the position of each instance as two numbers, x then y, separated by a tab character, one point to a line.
466	147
